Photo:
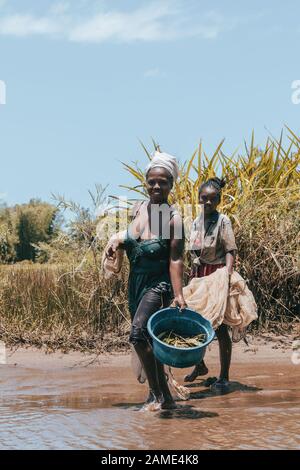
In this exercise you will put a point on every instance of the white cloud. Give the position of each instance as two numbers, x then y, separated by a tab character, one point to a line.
156	21
153	73
146	24
24	25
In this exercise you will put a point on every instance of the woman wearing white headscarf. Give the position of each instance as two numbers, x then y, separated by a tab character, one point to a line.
156	268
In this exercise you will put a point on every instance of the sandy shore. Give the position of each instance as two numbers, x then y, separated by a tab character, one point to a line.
260	349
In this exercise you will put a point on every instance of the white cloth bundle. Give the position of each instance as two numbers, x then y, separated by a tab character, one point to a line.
212	297
112	266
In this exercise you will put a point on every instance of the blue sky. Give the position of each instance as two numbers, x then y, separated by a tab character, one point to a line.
86	79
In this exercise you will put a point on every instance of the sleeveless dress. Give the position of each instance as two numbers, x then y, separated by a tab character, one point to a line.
149	268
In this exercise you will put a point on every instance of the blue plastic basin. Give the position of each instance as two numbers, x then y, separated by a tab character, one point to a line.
185	323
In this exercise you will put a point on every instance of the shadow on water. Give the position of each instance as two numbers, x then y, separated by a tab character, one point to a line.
206	393
186	412
129	406
181	412
232	387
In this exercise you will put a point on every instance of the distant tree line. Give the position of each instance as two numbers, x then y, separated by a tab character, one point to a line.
23	227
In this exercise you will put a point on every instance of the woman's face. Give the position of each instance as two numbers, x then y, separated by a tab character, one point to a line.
210	198
159	185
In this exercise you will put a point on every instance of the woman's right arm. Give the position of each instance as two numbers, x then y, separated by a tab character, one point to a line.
115	243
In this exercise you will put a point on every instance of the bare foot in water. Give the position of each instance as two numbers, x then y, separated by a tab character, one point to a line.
152	406
168	405
200	369
151	398
220	386
152	403
155	404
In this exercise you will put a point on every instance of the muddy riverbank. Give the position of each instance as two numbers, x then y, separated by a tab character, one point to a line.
77	401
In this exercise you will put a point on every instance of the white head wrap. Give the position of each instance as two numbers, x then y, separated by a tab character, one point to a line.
164	160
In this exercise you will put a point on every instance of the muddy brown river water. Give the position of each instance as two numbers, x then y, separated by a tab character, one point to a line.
57	402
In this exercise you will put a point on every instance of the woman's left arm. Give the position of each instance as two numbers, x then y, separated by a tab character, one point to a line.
229	245
230	256
176	259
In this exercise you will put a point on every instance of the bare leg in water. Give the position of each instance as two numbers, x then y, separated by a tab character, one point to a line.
167	399
225	348
199	369
158	388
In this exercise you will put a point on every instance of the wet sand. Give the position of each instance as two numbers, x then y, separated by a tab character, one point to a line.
76	401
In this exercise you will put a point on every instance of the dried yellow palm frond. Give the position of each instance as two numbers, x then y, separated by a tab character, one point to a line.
262	199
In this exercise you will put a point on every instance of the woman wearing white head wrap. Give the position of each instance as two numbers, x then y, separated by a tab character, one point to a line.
164	160
155	254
